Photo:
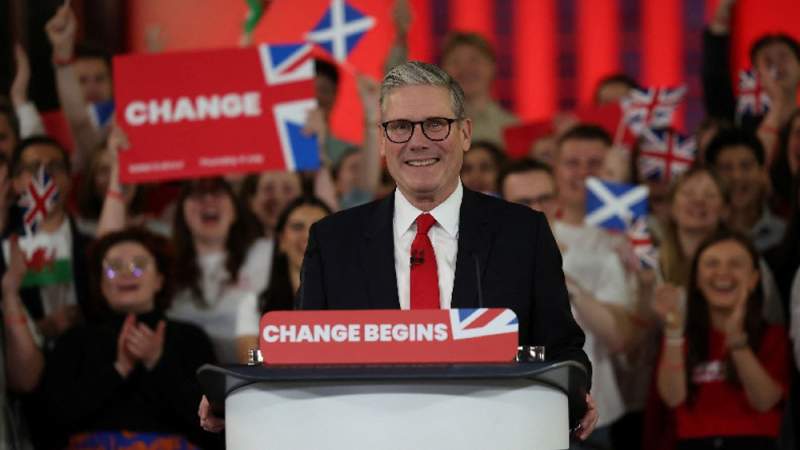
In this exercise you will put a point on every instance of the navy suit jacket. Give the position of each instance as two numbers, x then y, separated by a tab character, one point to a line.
349	264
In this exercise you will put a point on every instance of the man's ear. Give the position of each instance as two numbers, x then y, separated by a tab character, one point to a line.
466	134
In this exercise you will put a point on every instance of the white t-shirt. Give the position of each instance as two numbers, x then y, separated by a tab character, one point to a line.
218	312
590	259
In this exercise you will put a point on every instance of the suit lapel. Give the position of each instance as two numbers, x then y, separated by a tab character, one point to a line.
474	243
378	257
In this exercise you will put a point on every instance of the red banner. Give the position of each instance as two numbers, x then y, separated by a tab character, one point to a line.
203	113
389	336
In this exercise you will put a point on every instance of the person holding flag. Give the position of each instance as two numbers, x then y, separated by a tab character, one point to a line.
54	289
776	65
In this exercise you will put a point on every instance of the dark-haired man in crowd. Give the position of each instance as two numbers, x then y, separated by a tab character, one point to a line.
776	61
738	157
57	299
360	258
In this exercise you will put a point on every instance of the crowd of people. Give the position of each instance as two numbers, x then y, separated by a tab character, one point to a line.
146	283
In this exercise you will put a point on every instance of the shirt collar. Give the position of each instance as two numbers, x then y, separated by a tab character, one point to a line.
446	214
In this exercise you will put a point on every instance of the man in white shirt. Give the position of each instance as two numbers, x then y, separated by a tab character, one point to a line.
424	246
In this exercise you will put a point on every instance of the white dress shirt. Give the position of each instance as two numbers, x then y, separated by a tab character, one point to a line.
443	236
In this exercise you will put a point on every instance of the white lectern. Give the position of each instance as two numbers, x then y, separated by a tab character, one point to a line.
466	406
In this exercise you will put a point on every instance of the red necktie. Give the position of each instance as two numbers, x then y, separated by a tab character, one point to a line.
424	278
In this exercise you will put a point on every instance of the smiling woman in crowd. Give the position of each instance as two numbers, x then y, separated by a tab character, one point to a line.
727	373
128	375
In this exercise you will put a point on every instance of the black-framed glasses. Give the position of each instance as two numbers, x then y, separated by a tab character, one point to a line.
400	131
136	266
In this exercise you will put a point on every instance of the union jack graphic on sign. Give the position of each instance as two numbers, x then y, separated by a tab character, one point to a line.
292	66
479	322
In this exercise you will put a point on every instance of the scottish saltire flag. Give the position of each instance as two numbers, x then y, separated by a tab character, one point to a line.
340	29
751	99
355	34
665	154
614	206
478	322
38	200
641	241
100	113
292	67
651	108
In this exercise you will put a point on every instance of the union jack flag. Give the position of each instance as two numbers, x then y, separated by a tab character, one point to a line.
651	108
614	206
292	67
38	200
642	242
665	154
339	29
752	100
478	322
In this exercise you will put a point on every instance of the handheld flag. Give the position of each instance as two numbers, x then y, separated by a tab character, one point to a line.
642	242
665	154
652	107
751	99
614	206
38	200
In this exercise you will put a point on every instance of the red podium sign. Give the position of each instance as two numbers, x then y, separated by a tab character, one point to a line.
389	336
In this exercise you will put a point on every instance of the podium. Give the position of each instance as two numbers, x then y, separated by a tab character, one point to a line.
524	405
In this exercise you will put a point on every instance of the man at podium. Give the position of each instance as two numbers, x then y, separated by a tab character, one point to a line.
434	243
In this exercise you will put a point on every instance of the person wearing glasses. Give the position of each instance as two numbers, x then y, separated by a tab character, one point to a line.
55	299
423	246
127	377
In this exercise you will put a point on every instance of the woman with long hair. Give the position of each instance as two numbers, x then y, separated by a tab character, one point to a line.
723	369
291	232
221	265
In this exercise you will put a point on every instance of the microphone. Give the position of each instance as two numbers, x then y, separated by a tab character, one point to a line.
417	257
478	280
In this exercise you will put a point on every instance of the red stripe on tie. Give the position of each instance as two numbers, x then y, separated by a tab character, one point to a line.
424	275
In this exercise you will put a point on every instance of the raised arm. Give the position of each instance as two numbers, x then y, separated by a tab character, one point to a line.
114	215
24	359
369	92
671	371
718	93
30	122
61	29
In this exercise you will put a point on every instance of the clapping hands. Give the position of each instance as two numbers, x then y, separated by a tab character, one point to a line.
138	343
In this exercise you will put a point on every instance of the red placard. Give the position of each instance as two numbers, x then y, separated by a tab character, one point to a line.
389	336
203	113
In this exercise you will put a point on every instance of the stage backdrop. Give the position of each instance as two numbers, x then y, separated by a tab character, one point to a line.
551	52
